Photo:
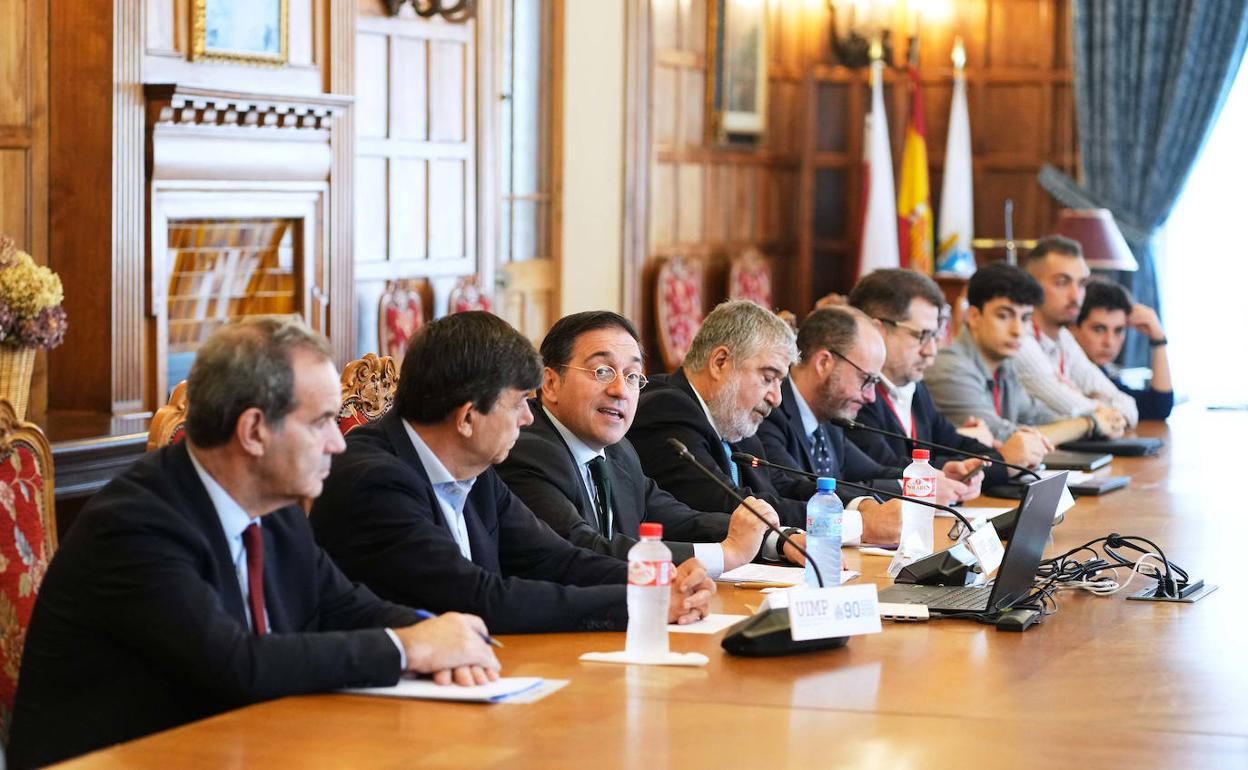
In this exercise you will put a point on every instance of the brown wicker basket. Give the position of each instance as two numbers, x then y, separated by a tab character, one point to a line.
16	366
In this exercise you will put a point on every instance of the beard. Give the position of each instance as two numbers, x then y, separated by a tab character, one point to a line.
732	424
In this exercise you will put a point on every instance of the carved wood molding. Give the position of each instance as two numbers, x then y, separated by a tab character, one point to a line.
370	382
170	104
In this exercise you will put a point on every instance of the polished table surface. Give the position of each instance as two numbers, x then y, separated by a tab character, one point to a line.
1102	681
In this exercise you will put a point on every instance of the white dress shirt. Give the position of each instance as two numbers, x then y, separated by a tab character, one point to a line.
902	398
1059	374
710	554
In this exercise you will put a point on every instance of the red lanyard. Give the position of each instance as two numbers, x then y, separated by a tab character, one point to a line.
1061	354
879	389
996	391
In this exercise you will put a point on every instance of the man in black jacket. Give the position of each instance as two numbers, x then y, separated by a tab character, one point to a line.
575	469
841	355
191	584
414	510
905	307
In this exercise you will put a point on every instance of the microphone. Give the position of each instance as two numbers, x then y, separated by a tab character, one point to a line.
846	424
685	454
949	567
757	462
766	633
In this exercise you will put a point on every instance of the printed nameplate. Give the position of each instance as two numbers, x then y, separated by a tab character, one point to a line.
822	613
985	543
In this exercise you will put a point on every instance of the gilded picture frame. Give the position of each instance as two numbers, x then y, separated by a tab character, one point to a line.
736	89
246	31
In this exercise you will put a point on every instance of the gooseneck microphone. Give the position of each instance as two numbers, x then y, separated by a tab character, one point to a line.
846	424
685	454
757	462
768	632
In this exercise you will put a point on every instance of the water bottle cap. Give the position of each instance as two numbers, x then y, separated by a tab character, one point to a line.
920	454
825	485
651	529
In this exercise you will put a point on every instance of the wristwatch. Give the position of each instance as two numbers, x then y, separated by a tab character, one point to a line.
1157	343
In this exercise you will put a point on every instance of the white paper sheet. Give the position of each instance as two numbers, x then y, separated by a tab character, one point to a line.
711	624
425	689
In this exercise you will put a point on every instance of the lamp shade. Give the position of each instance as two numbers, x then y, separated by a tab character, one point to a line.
1104	248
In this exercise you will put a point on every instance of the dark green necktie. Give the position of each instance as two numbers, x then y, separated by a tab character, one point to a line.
602	490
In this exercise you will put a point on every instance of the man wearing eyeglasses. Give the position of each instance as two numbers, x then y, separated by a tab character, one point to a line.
575	469
414	509
841	358
906	308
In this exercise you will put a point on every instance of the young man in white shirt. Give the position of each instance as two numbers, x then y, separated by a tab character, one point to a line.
1050	363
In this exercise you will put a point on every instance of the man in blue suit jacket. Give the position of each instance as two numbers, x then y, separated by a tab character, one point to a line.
414	510
191	584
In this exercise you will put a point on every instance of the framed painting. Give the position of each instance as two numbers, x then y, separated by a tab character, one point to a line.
240	30
736	93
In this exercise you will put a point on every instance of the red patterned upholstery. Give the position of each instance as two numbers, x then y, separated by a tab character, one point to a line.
467	295
169	423
400	314
750	278
368	387
678	305
27	540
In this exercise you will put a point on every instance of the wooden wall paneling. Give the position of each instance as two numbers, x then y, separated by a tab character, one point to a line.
416	156
638	148
339	260
24	150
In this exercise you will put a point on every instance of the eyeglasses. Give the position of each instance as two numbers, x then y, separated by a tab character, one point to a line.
924	336
869	380
607	374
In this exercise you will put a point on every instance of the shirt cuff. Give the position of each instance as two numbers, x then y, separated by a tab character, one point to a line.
402	652
851	523
712	557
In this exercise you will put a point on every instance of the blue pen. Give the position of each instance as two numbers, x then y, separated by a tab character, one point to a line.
427	615
877	498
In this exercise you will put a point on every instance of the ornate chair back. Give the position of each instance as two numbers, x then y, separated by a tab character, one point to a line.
749	277
169	423
27	541
400	314
368	387
467	295
678	307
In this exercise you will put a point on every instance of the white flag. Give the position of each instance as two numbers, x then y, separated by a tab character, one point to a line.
879	221
957	199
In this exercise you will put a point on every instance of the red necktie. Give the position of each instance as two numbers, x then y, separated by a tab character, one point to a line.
253	542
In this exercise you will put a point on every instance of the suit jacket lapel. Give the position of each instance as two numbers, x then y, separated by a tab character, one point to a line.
788	407
207	521
679	380
543	425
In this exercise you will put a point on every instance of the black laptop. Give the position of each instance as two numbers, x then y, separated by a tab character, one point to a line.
1135	446
1022	557
1064	460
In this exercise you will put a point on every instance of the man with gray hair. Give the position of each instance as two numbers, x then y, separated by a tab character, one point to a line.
713	404
191	584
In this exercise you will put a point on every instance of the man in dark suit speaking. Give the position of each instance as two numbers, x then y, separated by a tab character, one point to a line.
191	584
573	467
414	510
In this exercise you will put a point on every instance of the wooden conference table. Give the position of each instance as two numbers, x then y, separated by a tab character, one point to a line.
1104	681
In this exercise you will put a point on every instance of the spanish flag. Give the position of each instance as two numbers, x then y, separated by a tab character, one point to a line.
914	199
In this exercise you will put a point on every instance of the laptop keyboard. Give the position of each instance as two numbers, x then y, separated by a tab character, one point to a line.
966	598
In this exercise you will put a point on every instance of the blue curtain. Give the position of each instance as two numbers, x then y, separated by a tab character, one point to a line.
1150	79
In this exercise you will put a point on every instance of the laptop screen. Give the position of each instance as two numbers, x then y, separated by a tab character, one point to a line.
1026	547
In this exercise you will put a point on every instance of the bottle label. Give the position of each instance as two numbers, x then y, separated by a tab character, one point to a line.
919	486
649	573
823	525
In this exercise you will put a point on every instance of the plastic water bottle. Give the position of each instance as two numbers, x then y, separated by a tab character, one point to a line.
919	480
650	573
823	534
